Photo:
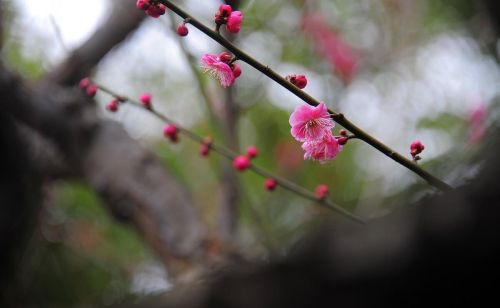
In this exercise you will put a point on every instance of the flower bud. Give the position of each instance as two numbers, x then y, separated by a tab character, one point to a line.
236	70
241	163
270	184
182	30
300	81
146	100
91	90
252	152
113	105
321	191
171	132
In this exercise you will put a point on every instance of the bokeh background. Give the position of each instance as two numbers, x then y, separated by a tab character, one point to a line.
400	69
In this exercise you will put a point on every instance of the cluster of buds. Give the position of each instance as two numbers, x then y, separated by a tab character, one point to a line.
89	88
242	162
152	7
226	16
416	148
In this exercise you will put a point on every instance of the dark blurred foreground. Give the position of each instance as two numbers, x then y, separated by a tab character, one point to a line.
443	251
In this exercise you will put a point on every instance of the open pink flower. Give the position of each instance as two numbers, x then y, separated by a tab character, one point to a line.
323	150
218	69
310	123
234	22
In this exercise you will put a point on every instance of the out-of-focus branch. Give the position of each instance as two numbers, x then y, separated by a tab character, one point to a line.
129	179
124	19
231	155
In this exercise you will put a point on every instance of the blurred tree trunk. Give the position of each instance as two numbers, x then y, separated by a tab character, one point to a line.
133	183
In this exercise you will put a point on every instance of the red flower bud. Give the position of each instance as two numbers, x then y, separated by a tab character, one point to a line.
300	81
84	83
146	100
205	146
252	151
342	140
91	90
236	70
171	132
321	191
182	30
241	163
225	57
113	105
416	148
270	184
142	4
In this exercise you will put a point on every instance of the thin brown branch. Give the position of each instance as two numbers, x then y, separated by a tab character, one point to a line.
336	116
231	155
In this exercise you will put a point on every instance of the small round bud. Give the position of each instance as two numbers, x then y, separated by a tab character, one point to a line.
321	191
145	99
91	90
182	30
204	149
342	140
113	105
416	148
343	132
252	151
270	184
225	9
236	70
222	14
225	57
156	10
84	83
241	163
142	4
205	146
300	81
171	132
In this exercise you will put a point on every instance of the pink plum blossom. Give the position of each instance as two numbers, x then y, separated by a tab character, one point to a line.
330	44
477	123
323	150
234	22
218	69
310	123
